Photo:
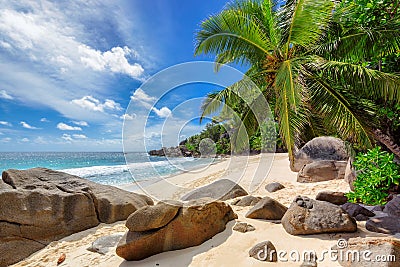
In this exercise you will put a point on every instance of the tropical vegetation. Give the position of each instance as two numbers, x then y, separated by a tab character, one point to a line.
318	64
377	175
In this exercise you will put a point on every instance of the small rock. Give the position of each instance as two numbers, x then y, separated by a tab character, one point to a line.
103	244
246	201
243	227
264	251
378	208
273	187
386	225
354	209
268	209
61	259
361	217
337	198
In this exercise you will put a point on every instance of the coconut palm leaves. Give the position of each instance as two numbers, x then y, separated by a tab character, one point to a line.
303	60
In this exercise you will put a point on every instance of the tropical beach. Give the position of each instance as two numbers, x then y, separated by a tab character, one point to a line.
205	133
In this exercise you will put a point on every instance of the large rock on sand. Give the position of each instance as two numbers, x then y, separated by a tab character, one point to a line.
223	189
196	222
393	207
153	217
386	225
320	148
39	205
307	216
268	209
322	170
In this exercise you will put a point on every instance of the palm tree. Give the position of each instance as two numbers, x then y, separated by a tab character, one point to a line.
306	63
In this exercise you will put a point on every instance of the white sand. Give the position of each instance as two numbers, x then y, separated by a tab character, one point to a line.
229	248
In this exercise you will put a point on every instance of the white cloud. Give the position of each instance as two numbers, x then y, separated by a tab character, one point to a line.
80	123
128	117
79	136
28	126
5	123
5	95
67	137
147	101
65	127
24	140
164	112
91	103
44	120
140	95
5	140
114	60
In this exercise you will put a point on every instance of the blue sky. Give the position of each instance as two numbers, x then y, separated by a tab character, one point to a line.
69	69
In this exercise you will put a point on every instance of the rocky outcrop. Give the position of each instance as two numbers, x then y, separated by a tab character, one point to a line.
39	205
273	187
194	223
268	209
320	148
337	198
357	212
320	171
369	252
264	251
223	189
178	151
246	201
307	216
385	225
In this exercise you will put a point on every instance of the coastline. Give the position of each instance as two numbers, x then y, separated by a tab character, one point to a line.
228	248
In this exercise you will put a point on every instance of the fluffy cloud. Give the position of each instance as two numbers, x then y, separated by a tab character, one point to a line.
80	123
65	127
44	120
5	123
128	117
67	137
27	126
163	112
114	60
5	95
79	136
24	140
91	103
147	101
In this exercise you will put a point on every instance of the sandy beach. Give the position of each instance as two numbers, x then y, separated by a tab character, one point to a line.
228	248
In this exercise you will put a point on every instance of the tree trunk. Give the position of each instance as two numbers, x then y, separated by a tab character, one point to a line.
388	141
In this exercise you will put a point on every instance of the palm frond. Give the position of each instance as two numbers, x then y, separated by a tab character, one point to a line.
303	21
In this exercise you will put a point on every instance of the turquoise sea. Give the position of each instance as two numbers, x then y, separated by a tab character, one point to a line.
102	167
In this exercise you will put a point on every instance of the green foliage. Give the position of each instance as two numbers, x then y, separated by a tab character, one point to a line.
204	142
376	174
308	61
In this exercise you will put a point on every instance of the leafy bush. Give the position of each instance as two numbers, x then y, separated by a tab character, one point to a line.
376	174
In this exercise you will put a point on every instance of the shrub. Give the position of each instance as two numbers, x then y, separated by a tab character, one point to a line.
376	174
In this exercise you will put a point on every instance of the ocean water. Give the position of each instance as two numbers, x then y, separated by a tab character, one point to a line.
109	168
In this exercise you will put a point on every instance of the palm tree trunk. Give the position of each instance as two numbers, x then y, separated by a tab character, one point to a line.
388	141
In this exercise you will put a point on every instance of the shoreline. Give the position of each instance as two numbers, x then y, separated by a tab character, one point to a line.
228	248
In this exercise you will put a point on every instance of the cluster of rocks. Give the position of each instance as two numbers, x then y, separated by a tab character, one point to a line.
178	151
38	206
171	226
321	159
